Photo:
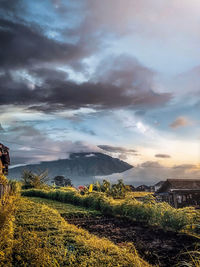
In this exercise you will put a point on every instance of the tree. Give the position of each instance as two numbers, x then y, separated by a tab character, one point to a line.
34	180
62	181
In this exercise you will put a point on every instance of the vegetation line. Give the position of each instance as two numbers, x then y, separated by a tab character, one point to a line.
150	212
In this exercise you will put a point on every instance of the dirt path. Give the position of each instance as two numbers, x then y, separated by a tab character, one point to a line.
153	244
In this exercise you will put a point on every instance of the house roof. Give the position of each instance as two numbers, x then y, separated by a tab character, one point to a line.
159	183
143	185
180	184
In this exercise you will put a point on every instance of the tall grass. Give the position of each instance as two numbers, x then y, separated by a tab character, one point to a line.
152	213
6	230
44	238
7	208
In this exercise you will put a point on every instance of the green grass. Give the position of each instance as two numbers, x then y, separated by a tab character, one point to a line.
6	230
67	210
43	238
149	212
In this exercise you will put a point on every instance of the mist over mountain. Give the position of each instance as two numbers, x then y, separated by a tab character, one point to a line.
81	168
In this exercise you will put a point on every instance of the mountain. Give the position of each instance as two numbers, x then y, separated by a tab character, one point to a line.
81	168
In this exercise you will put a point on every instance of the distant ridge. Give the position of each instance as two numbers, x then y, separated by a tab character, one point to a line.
78	167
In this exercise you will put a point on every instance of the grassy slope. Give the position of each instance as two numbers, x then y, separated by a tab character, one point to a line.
150	212
67	210
43	238
6	231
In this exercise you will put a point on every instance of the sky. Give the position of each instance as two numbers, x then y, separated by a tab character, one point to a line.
114	76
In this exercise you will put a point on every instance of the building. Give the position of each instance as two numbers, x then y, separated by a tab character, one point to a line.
180	192
158	186
143	188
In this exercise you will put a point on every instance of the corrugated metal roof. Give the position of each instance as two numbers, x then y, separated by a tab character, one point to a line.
184	183
180	184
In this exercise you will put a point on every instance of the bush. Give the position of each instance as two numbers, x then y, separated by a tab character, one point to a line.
34	180
117	191
150	212
15	187
3	179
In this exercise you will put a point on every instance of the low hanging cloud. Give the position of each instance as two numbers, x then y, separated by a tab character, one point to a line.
121	152
164	156
116	149
180	122
30	145
151	172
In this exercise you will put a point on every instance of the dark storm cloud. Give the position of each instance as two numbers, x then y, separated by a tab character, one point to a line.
117	82
164	156
55	92
58	95
11	8
116	149
25	45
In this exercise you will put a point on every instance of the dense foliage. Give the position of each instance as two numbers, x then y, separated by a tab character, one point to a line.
150	212
34	180
117	190
3	179
62	181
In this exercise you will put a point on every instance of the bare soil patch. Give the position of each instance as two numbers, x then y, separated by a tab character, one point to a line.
164	248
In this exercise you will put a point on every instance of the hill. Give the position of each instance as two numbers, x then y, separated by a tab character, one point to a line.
79	167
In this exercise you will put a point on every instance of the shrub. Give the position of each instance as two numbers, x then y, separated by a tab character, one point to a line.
34	180
15	187
6	231
117	191
150	212
3	179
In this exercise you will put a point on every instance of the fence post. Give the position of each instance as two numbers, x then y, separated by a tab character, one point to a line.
4	189
1	190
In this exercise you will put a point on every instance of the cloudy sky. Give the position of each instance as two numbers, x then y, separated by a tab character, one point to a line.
117	76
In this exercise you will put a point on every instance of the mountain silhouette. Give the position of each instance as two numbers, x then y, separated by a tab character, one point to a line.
79	167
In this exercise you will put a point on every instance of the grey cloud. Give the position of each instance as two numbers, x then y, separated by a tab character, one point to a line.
11	8
125	71
57	93
184	166
24	45
115	149
30	145
1	128
164	156
85	130
117	82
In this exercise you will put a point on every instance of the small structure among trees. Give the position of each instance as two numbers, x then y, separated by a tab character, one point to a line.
180	192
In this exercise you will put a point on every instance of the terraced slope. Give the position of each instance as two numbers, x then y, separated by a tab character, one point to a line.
162	248
44	238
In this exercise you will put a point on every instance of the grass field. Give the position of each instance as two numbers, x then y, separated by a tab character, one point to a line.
120	232
43	238
67	210
148	211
